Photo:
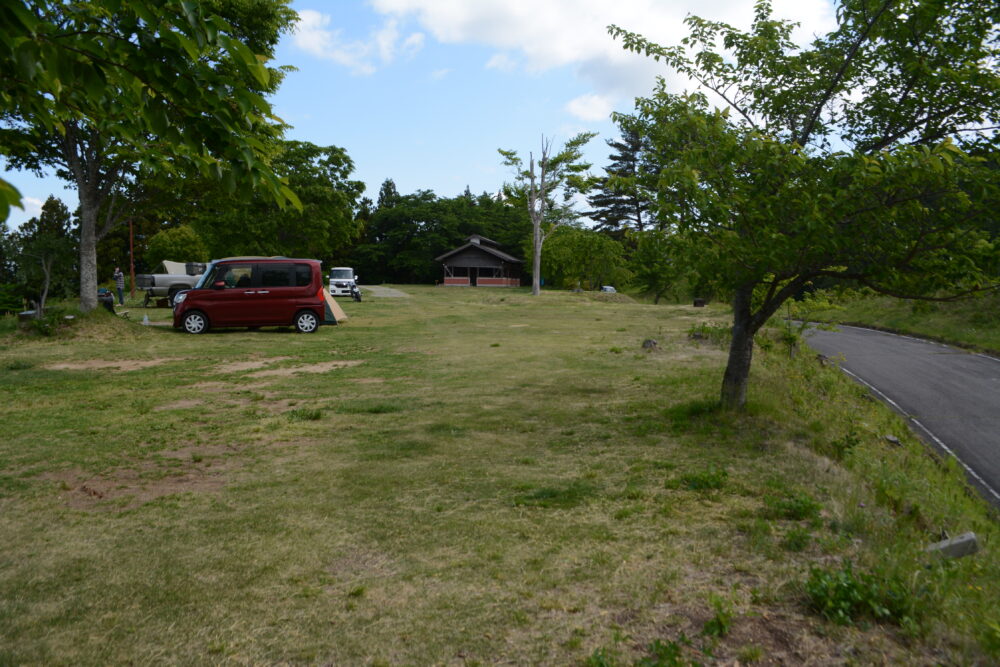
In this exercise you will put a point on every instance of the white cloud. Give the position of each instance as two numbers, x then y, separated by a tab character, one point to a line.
556	33
591	107
32	206
439	74
412	44
386	38
314	35
502	62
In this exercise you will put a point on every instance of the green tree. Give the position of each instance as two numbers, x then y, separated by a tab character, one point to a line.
178	244
47	247
842	161
96	89
402	240
563	174
388	196
584	258
254	225
619	201
654	263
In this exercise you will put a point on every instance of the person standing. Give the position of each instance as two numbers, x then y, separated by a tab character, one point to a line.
120	285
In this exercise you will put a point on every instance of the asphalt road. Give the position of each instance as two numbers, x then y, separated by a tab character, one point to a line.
951	396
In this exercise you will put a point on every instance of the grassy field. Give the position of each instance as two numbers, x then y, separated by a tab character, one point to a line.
463	477
973	323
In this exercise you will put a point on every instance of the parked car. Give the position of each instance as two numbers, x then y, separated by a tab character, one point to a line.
176	276
343	282
255	292
608	288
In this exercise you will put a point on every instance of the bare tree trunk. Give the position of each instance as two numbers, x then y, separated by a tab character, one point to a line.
737	375
536	259
46	281
536	208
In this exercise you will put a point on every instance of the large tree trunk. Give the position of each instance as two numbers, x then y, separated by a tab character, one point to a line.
737	376
88	253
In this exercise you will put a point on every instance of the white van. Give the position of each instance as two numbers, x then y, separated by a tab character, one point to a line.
343	282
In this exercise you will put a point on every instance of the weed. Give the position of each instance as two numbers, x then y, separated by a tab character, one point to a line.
305	415
602	657
846	596
706	480
797	539
372	407
566	496
717	334
991	637
718	626
356	592
758	535
845	443
669	654
751	653
794	506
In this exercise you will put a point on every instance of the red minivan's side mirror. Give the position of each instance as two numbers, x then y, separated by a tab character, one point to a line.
219	284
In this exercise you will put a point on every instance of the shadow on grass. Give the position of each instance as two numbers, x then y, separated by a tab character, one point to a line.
563	496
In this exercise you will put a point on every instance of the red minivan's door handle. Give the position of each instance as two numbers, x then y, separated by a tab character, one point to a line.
263	291
250	292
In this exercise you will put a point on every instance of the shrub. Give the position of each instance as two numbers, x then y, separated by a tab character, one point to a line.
846	596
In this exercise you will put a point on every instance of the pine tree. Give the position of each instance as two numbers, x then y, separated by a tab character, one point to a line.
388	195
617	206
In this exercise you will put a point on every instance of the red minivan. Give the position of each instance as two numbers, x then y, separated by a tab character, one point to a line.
255	292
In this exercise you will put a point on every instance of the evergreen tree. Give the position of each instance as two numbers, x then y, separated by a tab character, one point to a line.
620	205
47	246
388	195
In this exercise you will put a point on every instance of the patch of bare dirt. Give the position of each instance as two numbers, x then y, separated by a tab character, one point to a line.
312	368
359	565
239	366
209	386
182	404
127	488
100	364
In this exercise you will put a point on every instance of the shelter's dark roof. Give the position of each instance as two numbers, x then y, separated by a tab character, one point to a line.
489	247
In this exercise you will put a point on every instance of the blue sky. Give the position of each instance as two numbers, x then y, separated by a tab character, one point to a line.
426	91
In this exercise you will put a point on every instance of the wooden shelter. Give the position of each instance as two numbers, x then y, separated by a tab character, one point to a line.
480	263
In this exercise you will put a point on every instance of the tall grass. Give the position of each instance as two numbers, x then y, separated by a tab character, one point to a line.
972	322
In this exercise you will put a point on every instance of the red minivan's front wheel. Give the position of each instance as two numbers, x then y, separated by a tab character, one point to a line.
195	322
306	322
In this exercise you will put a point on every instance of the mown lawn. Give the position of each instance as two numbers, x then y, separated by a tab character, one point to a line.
461	477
